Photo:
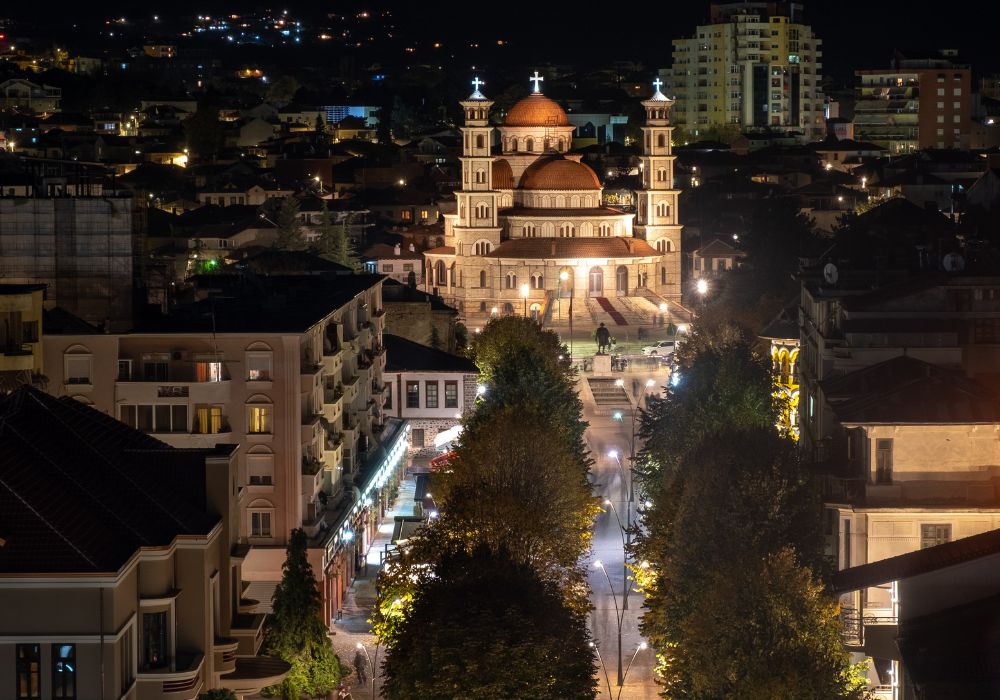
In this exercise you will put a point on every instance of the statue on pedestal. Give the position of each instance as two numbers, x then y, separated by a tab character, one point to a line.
603	337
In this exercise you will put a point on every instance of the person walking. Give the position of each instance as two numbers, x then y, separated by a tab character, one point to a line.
361	666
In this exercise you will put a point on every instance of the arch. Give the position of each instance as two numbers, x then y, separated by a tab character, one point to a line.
482	247
480	176
604	231
411	278
260	503
482	211
528	230
574	201
560	201
85	400
661	140
537	281
567	230
482	306
562	145
480	141
259	399
621	279
548	229
662	209
661	174
508	309
77	349
529	144
440	273
586	229
535	310
596	281
482	278
258	346
510	281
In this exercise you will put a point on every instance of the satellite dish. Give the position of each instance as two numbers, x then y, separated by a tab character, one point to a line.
953	262
830	273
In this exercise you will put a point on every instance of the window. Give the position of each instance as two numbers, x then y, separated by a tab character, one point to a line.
451	394
208	370
528	230
957	119
386	268
883	461
847	544
431	394
567	230
958	91
156	418
482	278
260	523
260	469
417	437
127	658
209	420
480	176
64	671
260	420
154	367
408	267
406	215
124	370
482	211
662	209
388	397
258	367
661	175
933	535
940	105
604	230
940	92
956	105
28	670
79	369
940	119
480	141
155	653
482	247
413	394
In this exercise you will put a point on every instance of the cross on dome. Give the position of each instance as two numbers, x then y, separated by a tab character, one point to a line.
657	84
476	84
536	79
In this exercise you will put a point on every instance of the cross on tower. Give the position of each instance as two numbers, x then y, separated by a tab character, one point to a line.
657	84
476	83
536	79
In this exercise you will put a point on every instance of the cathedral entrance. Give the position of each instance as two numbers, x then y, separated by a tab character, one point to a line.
621	281
596	282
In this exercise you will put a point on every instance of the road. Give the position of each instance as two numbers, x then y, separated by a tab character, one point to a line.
605	434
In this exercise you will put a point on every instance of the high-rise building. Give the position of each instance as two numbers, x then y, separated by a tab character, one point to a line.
918	102
755	65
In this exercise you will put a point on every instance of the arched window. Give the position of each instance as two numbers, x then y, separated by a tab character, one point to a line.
528	230
260	514
480	176
596	281
260	466
482	278
537	282
548	143
535	310
574	201
482	248
562	145
560	201
508	309
482	211
482	305
480	141
621	279
260	417
661	174
663	276
529	144
665	245
604	231
440	274
662	209
661	140
567	230
511	281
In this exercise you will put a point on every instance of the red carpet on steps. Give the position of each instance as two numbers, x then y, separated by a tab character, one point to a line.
612	311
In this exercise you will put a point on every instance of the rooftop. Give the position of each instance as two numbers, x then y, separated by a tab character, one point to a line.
403	355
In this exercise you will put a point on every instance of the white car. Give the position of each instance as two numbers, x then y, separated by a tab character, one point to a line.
663	347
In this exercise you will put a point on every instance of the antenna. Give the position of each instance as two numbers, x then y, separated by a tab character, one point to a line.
830	273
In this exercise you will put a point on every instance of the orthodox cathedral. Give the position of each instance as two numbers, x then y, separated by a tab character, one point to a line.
530	229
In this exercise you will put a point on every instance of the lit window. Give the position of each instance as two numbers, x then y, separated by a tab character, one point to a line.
209	420
28	671
64	671
451	394
259	367
413	394
933	535
431	394
260	420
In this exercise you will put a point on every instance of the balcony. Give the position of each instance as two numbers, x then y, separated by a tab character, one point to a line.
248	630
17	359
224	654
350	390
196	392
181	680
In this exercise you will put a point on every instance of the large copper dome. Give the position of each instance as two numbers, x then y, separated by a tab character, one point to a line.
536	110
558	173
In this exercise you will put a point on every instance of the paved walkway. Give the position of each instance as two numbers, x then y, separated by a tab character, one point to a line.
353	626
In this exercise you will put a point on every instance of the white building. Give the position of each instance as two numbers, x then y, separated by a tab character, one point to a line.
403	265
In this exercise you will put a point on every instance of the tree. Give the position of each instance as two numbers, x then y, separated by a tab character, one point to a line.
282	90
295	631
289	229
218	694
484	627
435	338
203	133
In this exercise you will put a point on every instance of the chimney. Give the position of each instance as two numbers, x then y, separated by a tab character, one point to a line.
395	250
412	249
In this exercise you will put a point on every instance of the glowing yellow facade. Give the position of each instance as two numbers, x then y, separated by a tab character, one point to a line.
785	364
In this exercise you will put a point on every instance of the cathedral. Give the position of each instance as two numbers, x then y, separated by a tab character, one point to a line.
530	233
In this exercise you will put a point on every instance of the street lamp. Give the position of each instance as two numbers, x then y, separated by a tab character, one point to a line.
619	618
626	536
605	668
371	664
702	287
563	277
524	293
642	645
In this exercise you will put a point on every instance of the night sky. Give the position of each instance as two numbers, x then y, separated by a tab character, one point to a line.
856	33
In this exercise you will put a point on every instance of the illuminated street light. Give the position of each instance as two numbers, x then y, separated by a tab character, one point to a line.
525	290
371	663
641	647
619	618
605	668
702	287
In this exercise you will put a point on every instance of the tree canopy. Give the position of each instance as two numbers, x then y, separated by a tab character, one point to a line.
289	234
295	631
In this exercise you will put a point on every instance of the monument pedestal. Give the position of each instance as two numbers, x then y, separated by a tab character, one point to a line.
602	365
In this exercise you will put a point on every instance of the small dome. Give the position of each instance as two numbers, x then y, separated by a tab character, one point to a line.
558	173
503	176
536	110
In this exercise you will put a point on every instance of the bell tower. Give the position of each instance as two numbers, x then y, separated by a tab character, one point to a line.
656	203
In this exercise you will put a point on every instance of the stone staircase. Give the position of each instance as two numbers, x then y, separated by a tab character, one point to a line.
606	392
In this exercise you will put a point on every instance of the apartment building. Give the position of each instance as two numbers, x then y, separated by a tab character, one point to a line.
429	388
290	368
21	358
126	580
755	65
918	102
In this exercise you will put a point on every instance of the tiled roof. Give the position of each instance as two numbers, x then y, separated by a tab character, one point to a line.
613	247
441	250
383	251
916	563
536	110
558	173
783	326
560	213
80	492
503	176
403	355
717	248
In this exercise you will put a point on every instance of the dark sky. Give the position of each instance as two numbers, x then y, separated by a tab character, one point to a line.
855	33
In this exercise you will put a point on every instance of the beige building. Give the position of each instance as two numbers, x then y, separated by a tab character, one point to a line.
756	64
293	374
21	357
127	581
530	227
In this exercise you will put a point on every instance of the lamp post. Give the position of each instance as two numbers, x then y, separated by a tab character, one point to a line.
702	287
524	293
619	618
605	668
625	545
642	645
563	277
371	664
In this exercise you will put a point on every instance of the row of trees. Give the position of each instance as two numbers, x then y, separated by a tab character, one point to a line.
489	601
732	538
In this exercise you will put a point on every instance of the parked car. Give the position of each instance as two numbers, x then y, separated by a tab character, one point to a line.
663	347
